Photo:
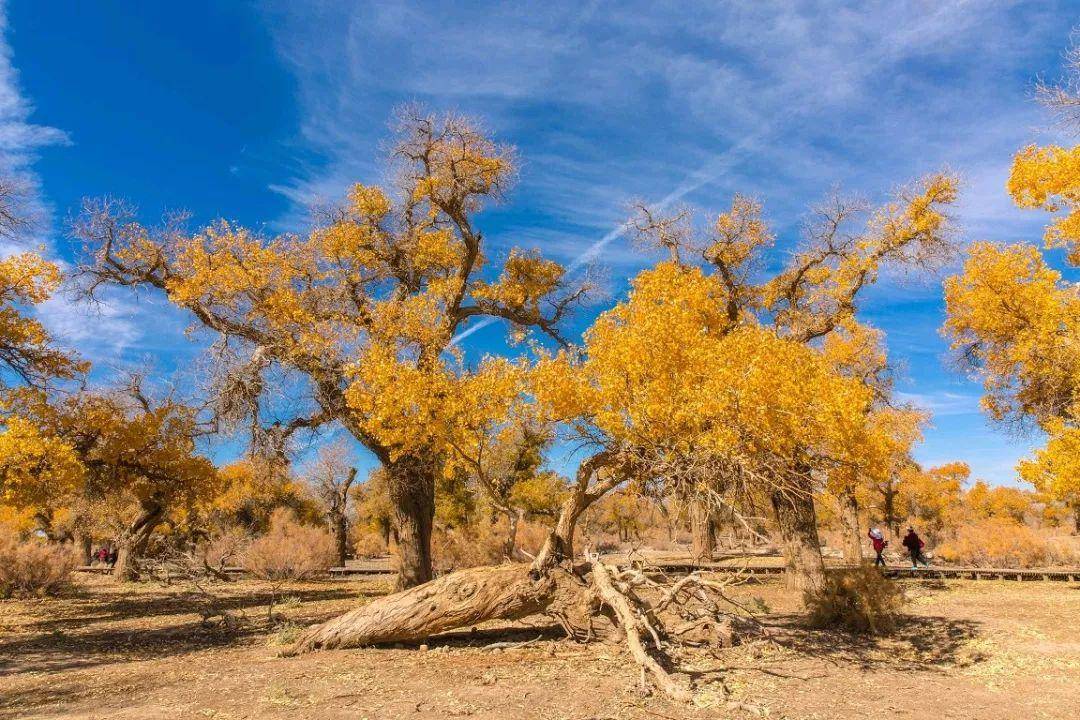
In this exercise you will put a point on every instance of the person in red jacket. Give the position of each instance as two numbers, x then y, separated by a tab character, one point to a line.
914	545
877	539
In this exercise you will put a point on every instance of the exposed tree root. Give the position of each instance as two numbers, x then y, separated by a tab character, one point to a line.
634	625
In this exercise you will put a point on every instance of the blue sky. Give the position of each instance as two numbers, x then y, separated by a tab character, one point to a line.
253	110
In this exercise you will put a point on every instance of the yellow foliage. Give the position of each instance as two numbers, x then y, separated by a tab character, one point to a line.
665	370
1055	469
1013	319
1048	178
26	348
90	445
933	498
37	468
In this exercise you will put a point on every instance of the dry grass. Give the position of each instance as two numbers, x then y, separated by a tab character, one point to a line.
1001	543
33	568
290	551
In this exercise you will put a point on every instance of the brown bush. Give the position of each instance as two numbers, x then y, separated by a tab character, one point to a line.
369	543
470	546
289	551
999	542
226	549
33	567
859	599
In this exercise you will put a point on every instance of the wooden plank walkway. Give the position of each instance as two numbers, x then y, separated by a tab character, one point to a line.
384	566
894	571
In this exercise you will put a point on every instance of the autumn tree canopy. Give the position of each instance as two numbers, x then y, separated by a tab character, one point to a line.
1014	321
362	309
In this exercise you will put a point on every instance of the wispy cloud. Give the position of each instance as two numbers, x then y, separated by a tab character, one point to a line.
942	404
676	103
118	331
20	139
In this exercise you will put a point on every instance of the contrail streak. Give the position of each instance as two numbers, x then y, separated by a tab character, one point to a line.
703	176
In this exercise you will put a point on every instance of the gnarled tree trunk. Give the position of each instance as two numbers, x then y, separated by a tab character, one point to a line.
132	544
849	524
797	523
514	517
411	482
702	531
460	599
470	596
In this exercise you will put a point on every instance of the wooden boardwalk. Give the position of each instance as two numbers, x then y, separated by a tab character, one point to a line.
384	566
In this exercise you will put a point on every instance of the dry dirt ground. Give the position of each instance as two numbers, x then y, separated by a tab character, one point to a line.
969	650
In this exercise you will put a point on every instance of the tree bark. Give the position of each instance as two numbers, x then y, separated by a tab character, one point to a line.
514	518
467	597
797	523
849	523
702	531
510	591
83	545
341	536
412	496
132	544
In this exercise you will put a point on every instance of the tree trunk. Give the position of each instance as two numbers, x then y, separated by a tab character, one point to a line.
703	532
83	544
467	597
460	599
341	536
1076	517
849	523
514	518
132	544
412	496
797	523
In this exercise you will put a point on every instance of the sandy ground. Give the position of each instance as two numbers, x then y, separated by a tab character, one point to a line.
968	650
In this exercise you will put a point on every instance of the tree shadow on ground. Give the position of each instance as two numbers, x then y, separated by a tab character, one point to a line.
66	643
919	643
95	608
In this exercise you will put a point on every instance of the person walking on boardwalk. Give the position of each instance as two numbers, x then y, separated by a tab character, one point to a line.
914	545
877	539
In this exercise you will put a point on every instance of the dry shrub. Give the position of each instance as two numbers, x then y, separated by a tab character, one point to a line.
33	567
998	542
289	551
226	549
369	543
858	599
470	546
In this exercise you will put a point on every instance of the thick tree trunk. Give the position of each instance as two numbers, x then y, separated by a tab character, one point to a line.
797	523
849	523
132	544
340	530
412	496
460	599
703	532
467	597
1076	518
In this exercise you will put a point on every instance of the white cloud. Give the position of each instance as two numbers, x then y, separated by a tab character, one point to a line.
689	103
